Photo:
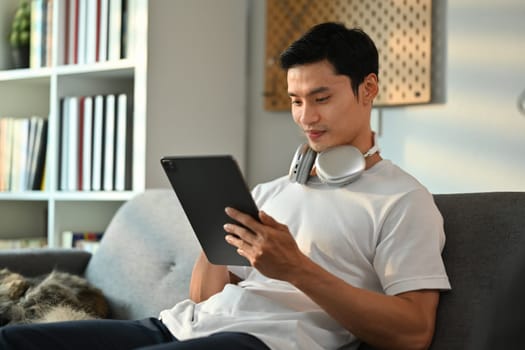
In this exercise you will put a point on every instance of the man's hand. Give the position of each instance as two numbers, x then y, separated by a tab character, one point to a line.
268	244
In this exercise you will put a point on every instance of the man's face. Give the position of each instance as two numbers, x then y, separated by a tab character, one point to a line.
325	107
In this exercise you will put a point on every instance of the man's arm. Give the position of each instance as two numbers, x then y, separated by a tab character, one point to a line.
208	279
404	321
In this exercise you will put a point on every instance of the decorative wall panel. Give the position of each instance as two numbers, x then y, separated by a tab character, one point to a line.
401	30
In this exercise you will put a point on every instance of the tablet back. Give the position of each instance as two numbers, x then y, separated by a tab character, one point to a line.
205	185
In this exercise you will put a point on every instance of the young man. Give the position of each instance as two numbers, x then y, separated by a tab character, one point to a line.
331	263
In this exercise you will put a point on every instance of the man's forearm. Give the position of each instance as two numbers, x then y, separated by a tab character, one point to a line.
405	321
207	279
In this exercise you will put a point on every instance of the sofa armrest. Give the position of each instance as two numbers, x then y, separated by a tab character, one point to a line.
34	262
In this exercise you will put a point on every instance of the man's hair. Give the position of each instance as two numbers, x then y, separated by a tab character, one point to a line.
350	51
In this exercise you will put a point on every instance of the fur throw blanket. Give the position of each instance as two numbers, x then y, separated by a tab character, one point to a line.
57	296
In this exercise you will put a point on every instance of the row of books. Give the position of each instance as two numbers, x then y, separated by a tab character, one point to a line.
22	153
95	143
18	243
88	241
88	31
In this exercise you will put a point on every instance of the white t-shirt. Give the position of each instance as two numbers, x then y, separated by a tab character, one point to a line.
382	232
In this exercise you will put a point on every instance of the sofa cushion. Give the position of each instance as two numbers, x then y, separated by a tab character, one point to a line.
146	256
485	231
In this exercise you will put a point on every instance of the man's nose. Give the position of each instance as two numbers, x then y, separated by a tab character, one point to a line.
309	114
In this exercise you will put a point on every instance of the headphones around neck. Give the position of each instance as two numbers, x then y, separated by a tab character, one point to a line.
337	166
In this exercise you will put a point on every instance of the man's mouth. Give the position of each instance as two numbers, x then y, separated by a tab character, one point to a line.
314	134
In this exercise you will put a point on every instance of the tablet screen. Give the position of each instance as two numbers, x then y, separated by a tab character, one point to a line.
205	185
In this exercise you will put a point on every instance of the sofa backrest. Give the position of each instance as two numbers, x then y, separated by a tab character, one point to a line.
146	256
148	251
485	238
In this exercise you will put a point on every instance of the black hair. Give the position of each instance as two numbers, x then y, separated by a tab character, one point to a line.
350	51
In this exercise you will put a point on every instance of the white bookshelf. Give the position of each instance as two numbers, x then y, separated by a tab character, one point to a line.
188	82
26	92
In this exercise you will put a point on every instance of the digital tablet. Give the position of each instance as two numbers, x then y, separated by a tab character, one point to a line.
205	185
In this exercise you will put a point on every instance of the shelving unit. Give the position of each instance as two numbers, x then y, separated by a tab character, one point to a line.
26	92
187	76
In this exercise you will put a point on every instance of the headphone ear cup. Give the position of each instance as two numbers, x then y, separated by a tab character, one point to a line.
340	165
302	163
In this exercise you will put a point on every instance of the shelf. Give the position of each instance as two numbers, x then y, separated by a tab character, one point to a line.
67	196
26	74
24	196
118	69
93	196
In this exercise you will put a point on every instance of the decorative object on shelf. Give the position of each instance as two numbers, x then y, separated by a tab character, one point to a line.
20	34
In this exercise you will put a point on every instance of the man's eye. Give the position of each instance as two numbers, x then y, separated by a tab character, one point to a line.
296	103
322	99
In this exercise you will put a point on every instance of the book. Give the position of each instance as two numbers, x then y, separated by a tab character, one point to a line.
87	146
63	144
73	143
109	143
36	152
9	153
30	149
3	140
114	30
91	32
37	33
121	142
82	30
48	34
18	243
4	167
38	155
103	30
72	32
19	154
98	143
62	42
80	144
130	30
76	239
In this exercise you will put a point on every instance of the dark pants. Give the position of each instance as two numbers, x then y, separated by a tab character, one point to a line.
148	334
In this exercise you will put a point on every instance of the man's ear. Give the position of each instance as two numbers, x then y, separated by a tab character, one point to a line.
370	88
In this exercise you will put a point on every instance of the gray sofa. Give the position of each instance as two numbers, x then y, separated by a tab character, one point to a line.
144	264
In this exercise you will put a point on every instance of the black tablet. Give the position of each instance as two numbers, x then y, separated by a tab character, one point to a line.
205	185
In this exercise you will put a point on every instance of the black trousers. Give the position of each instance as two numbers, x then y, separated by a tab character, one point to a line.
150	334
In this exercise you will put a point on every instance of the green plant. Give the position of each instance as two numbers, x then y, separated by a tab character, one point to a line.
19	36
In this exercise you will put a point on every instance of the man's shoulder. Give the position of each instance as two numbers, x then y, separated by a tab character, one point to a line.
268	189
388	178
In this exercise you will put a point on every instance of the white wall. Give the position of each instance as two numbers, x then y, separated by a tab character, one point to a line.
196	88
474	141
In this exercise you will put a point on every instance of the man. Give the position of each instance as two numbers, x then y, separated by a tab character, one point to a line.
330	263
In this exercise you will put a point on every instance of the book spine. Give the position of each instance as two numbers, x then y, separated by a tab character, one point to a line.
4	166
98	135
91	31
120	148
114	30
103	31
73	137
87	143
36	34
109	142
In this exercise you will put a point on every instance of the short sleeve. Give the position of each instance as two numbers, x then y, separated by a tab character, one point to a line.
408	252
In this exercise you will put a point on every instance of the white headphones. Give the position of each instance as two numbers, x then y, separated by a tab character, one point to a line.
337	166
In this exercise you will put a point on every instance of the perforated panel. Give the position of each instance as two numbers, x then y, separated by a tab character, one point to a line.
401	30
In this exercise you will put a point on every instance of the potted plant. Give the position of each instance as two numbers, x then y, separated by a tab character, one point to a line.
20	34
